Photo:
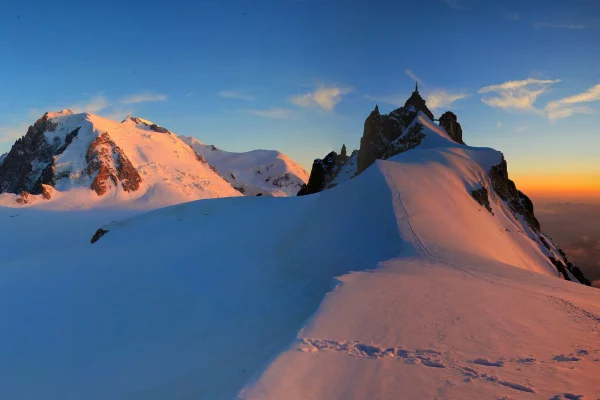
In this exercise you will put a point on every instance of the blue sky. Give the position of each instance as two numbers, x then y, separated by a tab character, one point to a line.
301	76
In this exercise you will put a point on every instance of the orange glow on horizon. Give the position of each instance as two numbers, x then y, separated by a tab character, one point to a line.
575	185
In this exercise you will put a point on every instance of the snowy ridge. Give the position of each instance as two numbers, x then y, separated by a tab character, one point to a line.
254	172
436	296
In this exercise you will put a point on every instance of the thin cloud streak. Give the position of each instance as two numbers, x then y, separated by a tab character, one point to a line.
516	95
413	76
437	99
571	105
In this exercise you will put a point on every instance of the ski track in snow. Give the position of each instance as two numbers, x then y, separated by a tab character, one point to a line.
437	359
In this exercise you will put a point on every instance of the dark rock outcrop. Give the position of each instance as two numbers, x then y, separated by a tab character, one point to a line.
384	135
481	196
109	162
27	158
574	269
418	103
516	200
411	138
449	121
99	233
323	170
522	206
151	126
380	131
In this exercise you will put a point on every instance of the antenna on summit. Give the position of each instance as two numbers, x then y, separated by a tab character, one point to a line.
416	86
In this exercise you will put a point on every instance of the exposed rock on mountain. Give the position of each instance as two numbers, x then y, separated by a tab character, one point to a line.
24	163
481	196
416	102
450	123
408	127
323	170
145	124
506	189
107	161
384	135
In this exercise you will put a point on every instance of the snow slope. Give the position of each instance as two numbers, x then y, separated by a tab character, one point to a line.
396	284
267	172
170	171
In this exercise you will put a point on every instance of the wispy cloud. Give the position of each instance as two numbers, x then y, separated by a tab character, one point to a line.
441	98
498	124
325	97
454	4
143	98
235	94
559	26
516	95
413	76
571	105
274	113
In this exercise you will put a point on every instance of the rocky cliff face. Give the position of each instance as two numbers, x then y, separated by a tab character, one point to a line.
449	121
522	208
323	171
24	163
384	135
109	164
29	167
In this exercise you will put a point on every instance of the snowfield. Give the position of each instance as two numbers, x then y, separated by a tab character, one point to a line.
395	284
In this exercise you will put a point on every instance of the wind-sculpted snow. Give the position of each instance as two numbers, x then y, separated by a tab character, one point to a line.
396	284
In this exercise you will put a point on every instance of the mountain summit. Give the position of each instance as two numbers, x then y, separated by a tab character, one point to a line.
411	129
84	160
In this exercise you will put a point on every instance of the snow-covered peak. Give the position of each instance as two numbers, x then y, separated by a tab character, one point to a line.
256	172
92	161
61	113
144	124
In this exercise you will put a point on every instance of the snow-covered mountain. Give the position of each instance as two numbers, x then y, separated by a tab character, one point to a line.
83	160
424	276
254	172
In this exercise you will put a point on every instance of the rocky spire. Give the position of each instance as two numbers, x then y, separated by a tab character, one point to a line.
415	100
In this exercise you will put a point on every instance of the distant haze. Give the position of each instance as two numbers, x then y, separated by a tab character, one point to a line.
576	228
